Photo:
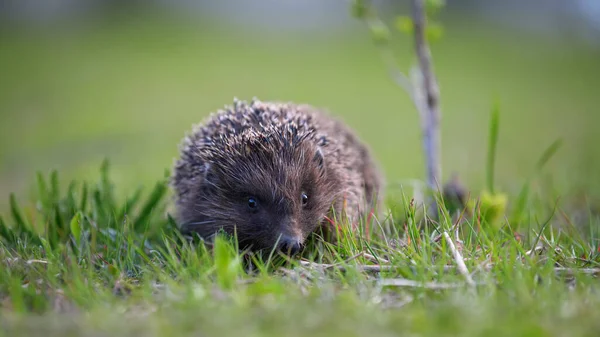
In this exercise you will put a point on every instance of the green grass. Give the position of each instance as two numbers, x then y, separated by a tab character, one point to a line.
86	262
94	252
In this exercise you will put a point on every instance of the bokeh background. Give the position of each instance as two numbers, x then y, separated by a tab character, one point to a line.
84	80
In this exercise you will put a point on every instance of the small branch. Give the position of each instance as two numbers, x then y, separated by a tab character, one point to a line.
415	284
388	58
462	268
363	268
374	259
572	271
427	100
421	87
397	75
37	261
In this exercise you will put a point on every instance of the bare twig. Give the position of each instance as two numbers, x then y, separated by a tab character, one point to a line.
415	284
374	259
340	267
462	268
397	75
362	268
37	261
426	95
366	255
571	271
355	257
372	20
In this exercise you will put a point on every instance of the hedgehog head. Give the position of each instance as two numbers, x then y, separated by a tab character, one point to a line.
271	187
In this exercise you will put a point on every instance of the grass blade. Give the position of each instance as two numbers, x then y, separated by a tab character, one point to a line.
492	144
523	197
42	191
22	226
16	213
84	196
75	227
7	233
130	203
54	186
154	199
548	154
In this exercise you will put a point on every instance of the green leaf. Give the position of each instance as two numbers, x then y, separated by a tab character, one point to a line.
113	270
379	32
405	24
433	7
226	262
359	9
434	31
75	227
492	208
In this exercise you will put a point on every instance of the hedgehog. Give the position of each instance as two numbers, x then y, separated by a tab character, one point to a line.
271	174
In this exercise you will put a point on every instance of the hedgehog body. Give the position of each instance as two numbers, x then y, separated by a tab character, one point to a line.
272	173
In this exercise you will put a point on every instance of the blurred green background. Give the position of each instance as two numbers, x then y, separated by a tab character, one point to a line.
127	82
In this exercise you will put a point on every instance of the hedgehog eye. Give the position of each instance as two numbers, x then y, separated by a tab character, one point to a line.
304	199
252	203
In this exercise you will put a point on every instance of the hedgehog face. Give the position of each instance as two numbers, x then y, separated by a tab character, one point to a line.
269	194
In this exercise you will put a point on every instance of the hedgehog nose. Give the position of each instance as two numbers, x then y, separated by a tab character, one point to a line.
289	245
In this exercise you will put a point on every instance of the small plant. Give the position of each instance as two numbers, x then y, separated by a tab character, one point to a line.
86	218
491	205
422	85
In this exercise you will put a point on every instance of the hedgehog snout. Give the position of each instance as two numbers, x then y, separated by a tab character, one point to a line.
290	245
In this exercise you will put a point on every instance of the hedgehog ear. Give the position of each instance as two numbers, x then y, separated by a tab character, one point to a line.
318	158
